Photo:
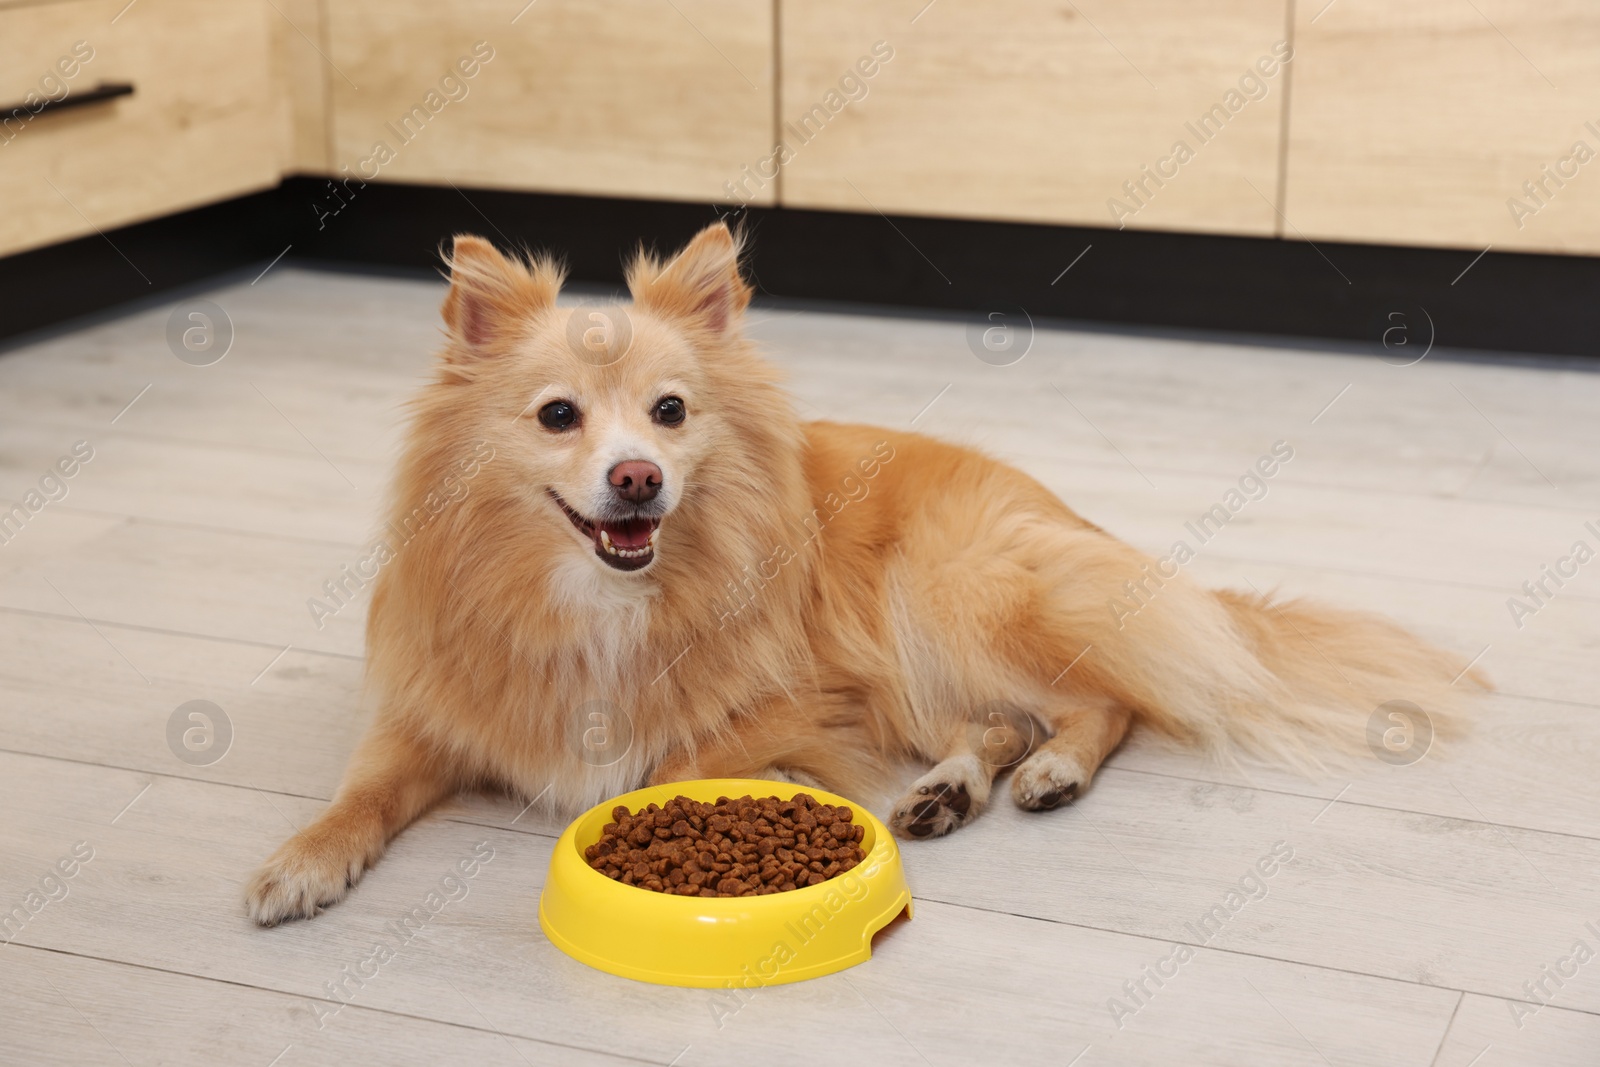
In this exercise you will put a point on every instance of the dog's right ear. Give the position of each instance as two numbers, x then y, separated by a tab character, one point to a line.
490	295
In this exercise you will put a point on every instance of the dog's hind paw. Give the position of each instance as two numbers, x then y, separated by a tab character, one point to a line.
947	797
1047	779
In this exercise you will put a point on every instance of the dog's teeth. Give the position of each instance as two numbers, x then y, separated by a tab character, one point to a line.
627	553
651	543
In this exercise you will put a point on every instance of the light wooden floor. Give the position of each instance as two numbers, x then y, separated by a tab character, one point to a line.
1418	903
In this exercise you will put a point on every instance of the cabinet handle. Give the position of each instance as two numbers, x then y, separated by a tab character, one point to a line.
103	91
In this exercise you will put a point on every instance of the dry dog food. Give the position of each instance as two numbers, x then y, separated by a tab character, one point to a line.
733	848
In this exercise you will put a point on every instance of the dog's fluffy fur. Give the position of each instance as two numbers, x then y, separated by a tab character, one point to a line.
822	601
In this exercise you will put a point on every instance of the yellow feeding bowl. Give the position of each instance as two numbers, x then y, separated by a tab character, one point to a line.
716	942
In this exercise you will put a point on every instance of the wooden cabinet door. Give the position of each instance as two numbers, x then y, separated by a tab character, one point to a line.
1037	111
203	123
1427	122
623	97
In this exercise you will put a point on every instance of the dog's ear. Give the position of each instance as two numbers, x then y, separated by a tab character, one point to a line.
489	293
701	287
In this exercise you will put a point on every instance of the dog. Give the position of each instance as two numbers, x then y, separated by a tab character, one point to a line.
658	573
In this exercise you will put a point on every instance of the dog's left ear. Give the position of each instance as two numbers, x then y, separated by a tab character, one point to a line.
700	288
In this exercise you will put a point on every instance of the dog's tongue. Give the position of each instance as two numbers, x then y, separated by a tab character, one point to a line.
629	533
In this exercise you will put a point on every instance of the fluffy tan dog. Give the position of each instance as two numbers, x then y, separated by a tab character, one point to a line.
662	574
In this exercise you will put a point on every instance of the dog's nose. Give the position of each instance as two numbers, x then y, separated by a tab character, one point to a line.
636	480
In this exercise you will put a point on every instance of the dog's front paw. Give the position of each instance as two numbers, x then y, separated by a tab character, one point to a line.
1047	779
300	879
947	797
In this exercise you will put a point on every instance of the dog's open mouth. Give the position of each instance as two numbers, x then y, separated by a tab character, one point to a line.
626	544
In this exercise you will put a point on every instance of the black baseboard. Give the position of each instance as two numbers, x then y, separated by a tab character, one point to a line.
1508	302
51	285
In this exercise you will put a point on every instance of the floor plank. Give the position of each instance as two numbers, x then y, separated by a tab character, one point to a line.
72	1009
1485	1033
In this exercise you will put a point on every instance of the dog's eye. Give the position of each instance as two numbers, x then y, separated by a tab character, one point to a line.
558	415
669	411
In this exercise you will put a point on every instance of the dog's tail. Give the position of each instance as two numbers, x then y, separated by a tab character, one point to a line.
1283	680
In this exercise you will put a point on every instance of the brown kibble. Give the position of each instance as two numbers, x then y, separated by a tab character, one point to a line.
742	847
